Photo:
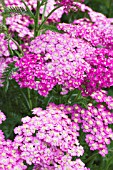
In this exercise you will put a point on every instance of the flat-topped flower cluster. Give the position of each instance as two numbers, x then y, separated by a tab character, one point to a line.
77	56
53	58
49	139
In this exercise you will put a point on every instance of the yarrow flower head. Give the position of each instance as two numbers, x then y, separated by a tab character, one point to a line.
53	58
44	138
98	50
94	122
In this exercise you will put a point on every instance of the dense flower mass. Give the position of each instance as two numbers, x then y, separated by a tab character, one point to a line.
44	138
94	122
99	52
76	61
56	59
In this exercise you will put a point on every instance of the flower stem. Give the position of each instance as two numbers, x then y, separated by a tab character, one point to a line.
36	20
110	7
43	22
29	98
44	11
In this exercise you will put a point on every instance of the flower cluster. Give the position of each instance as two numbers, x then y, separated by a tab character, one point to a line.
94	121
18	3
56	59
4	52
98	52
9	157
44	138
101	96
20	24
78	164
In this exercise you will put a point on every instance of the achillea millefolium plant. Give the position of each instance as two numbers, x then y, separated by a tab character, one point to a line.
56	83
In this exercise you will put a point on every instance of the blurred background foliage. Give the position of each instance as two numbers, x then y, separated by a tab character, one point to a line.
103	6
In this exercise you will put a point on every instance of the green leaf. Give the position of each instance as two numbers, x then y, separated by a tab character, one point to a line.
17	11
9	124
7	75
50	27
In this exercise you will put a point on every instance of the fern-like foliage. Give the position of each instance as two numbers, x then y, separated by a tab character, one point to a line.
7	75
16	11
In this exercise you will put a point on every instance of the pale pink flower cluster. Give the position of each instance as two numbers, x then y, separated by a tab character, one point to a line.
4	52
102	96
44	138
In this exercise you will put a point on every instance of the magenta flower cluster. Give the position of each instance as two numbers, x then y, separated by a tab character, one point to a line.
98	54
53	58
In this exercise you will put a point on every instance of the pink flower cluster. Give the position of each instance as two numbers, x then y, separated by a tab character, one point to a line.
98	54
20	24
4	52
102	96
78	165
9	157
18	3
95	121
44	138
56	59
49	139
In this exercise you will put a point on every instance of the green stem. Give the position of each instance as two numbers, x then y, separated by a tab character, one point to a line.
29	98
78	95
47	17
27	102
36	20
44	11
87	160
110	7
